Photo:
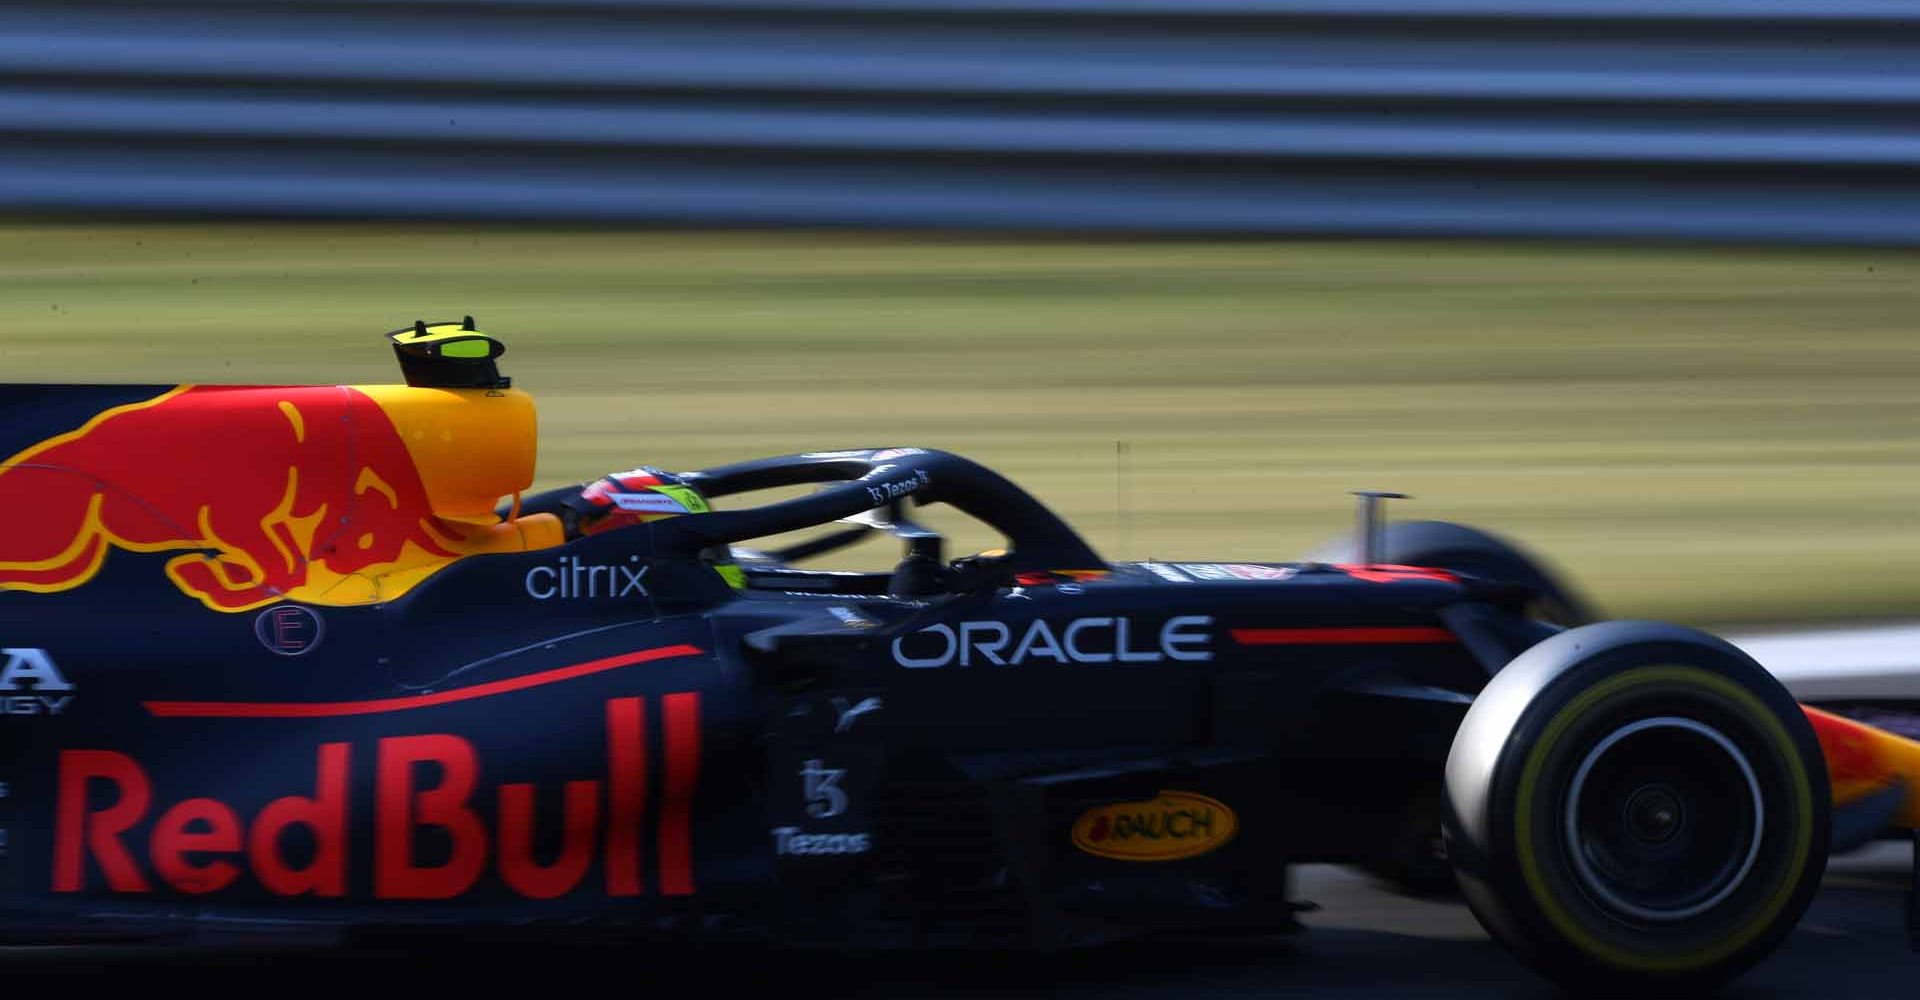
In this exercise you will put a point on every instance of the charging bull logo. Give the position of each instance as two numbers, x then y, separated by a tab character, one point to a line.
272	492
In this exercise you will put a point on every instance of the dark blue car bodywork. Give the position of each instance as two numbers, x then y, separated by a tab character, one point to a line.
608	732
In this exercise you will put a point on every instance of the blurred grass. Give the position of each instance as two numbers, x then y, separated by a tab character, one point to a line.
1701	435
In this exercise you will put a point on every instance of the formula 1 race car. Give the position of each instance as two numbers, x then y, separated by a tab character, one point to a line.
281	656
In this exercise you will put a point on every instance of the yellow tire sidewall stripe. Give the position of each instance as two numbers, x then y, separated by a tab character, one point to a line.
1531	864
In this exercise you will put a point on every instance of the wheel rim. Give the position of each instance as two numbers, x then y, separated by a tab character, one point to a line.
1664	819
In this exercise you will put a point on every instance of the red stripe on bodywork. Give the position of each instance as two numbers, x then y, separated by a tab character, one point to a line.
1388	573
328	709
1340	636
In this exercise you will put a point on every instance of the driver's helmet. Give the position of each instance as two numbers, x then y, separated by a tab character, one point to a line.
621	499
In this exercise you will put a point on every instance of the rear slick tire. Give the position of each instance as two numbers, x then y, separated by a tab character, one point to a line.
1635	806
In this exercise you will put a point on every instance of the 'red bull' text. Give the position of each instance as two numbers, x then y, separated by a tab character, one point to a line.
202	845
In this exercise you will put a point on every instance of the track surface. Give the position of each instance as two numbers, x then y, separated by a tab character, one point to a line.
1365	942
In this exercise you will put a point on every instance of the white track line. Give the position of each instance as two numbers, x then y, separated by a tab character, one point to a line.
1870	661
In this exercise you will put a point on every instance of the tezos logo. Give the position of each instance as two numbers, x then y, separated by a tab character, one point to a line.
821	786
825	799
880	493
575	579
1082	640
32	670
790	840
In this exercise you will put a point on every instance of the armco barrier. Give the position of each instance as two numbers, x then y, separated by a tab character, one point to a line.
1734	119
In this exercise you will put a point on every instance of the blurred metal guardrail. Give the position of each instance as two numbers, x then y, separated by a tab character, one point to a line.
1710	119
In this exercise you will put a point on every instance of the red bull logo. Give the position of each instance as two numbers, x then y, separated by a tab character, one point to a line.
267	493
427	786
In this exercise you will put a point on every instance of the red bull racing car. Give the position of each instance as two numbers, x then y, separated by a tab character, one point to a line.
283	656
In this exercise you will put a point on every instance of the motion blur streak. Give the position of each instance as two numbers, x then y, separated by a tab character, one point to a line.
1738	120
1703	435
